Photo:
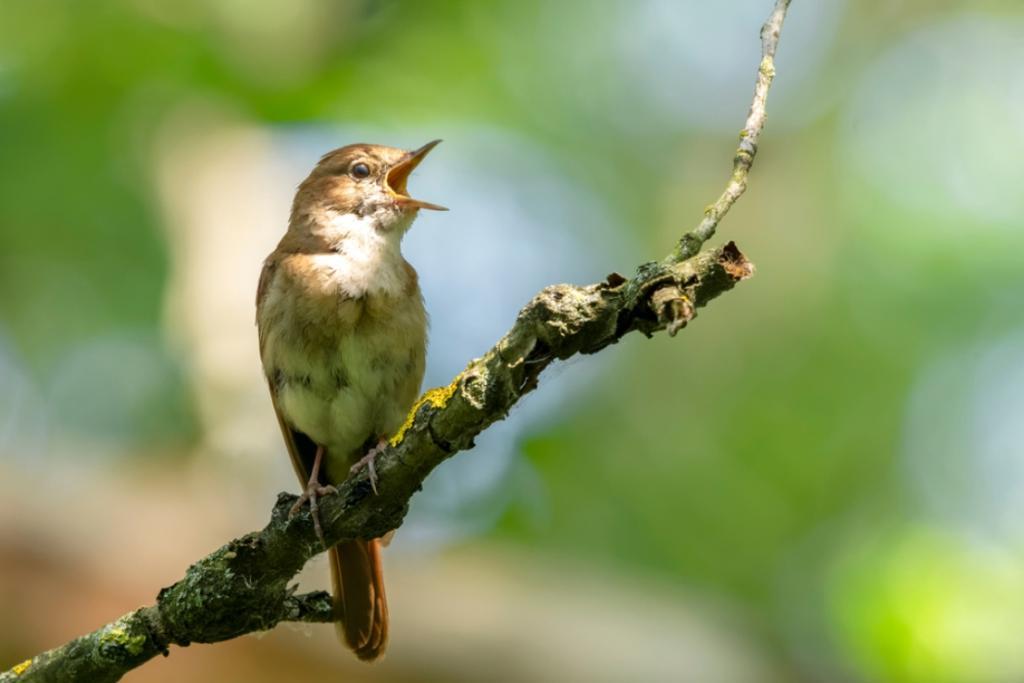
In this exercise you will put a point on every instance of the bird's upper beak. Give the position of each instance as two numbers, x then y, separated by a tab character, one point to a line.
398	176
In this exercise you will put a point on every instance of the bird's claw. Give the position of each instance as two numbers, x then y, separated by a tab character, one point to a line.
313	491
367	462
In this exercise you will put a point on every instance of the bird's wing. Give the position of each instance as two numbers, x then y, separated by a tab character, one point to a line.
266	277
301	448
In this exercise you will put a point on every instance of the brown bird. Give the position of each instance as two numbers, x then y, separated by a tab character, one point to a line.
342	333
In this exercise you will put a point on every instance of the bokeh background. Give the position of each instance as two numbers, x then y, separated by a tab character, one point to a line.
821	479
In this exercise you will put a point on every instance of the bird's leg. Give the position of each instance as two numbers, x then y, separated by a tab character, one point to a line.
312	492
367	462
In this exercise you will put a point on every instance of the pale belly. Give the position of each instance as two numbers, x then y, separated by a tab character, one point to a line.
348	380
361	393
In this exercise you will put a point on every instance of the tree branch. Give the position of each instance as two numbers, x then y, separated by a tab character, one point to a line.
244	586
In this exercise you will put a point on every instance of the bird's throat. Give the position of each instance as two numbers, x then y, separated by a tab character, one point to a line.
363	252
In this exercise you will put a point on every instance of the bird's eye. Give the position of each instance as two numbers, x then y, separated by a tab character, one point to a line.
360	170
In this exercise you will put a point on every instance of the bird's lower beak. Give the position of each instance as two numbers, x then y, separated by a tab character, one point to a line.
398	176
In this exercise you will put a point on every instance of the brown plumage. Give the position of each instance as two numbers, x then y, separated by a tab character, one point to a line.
342	332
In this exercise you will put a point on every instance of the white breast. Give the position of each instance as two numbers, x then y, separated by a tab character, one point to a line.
366	259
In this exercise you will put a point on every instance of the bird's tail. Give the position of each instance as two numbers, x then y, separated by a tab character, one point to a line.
359	600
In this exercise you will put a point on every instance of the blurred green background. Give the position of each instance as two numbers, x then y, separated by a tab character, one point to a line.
821	479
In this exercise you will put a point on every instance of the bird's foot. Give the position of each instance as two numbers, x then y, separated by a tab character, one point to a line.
313	491
367	462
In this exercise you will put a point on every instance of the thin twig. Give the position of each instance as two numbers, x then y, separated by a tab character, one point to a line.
692	241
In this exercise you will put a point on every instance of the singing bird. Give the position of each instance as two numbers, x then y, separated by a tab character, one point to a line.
342	335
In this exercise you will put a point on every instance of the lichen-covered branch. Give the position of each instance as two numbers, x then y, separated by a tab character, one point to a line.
244	586
105	655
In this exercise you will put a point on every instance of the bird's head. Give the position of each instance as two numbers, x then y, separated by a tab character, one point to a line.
366	181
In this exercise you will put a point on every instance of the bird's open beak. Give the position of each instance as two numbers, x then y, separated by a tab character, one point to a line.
398	176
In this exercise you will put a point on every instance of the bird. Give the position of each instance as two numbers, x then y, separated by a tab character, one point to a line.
342	338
